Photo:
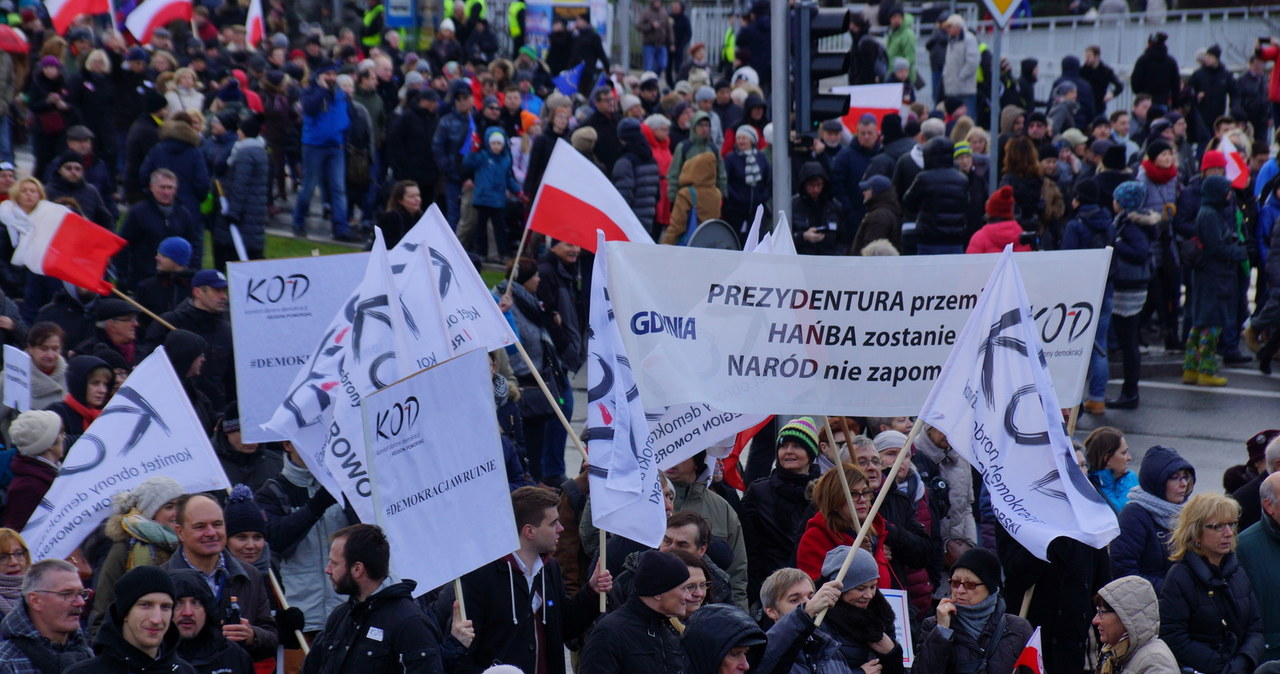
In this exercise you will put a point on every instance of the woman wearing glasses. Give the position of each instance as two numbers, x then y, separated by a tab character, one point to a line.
1165	481
1128	623
1208	613
15	559
970	631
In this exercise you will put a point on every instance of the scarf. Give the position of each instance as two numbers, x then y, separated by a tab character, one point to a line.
1159	175
1164	512
10	593
752	169
862	626
86	413
1113	655
150	542
973	618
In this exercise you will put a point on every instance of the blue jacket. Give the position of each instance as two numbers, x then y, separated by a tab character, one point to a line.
1141	548
491	172
1267	216
847	170
324	116
451	133
1091	228
1115	490
179	151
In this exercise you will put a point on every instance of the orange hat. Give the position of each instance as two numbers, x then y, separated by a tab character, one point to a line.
527	120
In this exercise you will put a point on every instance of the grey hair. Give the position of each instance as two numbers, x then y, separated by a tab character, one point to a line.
1267	491
36	574
1272	453
932	128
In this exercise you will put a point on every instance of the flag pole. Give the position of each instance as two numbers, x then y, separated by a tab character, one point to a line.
511	278
1026	602
284	605
600	564
457	592
875	508
839	468
555	405
116	291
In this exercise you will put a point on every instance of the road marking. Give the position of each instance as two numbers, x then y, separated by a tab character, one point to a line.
1204	389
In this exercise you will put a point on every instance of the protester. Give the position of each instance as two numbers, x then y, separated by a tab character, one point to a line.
138	634
971	630
44	623
637	637
1109	459
637	173
1128	624
816	216
790	606
687	532
833	524
204	313
688	479
197	616
1131	272
402	212
88	383
1165	482
862	621
1213	283
246	190
15	560
721	638
39	439
248	463
1210	632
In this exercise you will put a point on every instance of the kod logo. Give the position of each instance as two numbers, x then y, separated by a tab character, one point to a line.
277	288
397	419
652	322
1061	320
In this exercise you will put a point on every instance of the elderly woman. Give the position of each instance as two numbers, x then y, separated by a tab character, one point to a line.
38	436
1128	623
49	374
1165	481
15	559
971	632
1109	459
1209	615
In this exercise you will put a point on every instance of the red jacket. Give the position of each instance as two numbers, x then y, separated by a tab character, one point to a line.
31	480
817	541
1271	52
992	238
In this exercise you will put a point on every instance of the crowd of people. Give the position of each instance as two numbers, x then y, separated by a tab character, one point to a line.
197	132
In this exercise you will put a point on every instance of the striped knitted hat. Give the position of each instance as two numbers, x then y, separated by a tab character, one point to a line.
803	431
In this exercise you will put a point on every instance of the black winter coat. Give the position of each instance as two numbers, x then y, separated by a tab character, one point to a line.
78	370
939	197
608	146
74	317
1214	282
847	170
209	652
385	633
773	515
411	131
245	186
562	290
633	639
253	469
94	91
937	654
715	630
1141	548
143	135
1210	617
636	176
162	292
497	589
178	149
247	585
856	628
86	195
823	214
1156	73
144	227
117	656
397	222
218	376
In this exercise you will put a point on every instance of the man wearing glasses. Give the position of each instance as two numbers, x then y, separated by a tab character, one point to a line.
42	634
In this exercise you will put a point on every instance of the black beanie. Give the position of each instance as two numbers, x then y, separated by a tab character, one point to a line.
985	565
1156	147
1114	158
659	572
242	512
136	584
1087	192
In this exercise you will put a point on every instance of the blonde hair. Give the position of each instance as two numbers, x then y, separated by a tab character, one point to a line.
13	191
98	56
960	130
9	536
978	133
1196	513
185	71
779	582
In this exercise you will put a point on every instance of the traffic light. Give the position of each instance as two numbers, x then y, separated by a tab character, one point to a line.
814	65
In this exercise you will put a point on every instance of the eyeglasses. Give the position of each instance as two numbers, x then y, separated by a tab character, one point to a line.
864	495
1104	611
69	595
968	585
1180	477
695	587
16	554
870	462
128	318
1219	526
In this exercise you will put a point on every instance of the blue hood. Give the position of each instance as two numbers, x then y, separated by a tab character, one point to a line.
1158	464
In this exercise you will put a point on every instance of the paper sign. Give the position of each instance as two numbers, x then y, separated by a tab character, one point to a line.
17	378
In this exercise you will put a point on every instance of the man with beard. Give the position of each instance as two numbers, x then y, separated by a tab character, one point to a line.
67	180
196	615
45	625
380	628
202	533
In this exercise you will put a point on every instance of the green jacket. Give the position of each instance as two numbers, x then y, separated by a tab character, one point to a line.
1258	548
692	148
724	525
902	43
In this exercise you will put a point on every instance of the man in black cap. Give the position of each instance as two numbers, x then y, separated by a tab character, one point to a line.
45	624
638	636
97	171
149	222
204	313
138	635
452	131
380	628
116	328
66	180
144	133
199	619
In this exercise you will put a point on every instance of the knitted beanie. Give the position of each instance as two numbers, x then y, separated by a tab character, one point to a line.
802	431
35	431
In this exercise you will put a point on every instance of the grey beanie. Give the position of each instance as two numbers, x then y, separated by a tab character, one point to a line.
149	496
750	132
704	93
889	440
863	568
35	431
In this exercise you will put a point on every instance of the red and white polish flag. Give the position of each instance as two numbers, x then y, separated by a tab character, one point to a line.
66	246
153	14
254	24
63	12
576	199
1237	166
876	100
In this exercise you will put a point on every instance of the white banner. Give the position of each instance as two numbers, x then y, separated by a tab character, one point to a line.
901	623
439	481
997	406
763	334
17	378
147	429
276	305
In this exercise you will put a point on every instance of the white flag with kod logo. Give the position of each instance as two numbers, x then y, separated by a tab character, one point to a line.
379	336
437	481
147	429
997	406
626	493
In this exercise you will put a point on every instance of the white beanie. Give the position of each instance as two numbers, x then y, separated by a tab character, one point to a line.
35	432
151	495
447	24
629	101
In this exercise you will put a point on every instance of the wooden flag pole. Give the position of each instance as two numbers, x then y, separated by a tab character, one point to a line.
839	468
284	605
457	592
1026	602
875	508
600	564
515	265
555	404
116	291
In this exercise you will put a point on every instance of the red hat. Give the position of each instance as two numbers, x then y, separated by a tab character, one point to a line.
1213	159
297	54
1257	445
1000	204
